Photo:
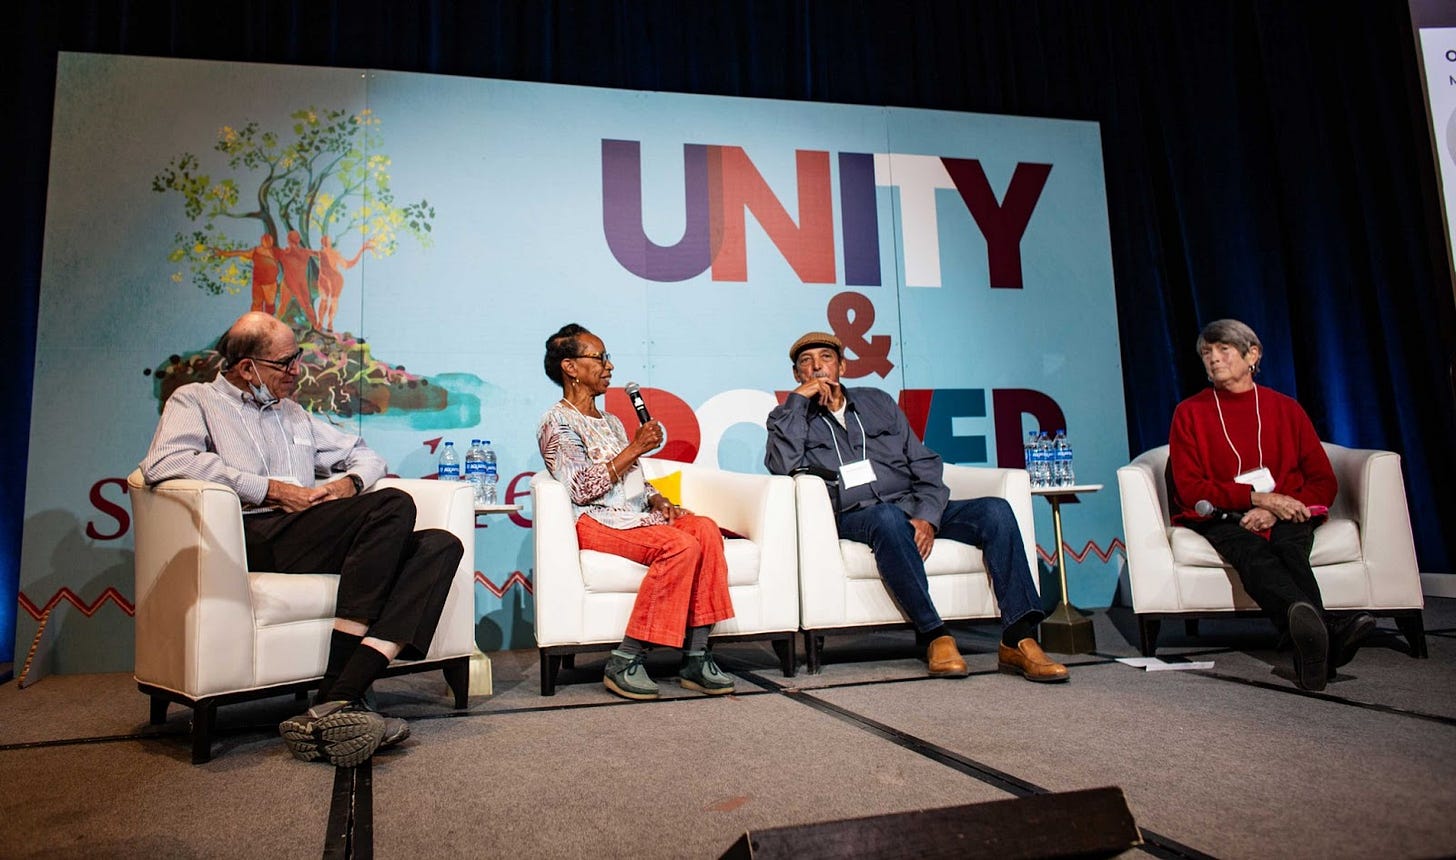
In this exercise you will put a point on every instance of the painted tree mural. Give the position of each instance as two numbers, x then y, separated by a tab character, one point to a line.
278	224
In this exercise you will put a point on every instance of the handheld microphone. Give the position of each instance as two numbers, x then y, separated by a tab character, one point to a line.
1206	509
634	394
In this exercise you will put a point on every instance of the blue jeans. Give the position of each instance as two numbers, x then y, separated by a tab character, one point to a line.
987	523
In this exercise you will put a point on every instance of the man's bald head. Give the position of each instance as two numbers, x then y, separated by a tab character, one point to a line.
253	334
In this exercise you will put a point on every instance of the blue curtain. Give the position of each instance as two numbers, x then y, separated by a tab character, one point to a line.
1265	160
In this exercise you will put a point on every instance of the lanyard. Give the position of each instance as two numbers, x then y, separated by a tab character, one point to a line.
862	438
1259	423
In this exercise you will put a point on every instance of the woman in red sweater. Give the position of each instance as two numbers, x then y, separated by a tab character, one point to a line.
1253	456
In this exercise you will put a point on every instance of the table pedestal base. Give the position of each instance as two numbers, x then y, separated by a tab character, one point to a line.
1066	631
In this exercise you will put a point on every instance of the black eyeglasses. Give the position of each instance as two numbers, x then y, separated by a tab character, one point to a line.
603	357
288	364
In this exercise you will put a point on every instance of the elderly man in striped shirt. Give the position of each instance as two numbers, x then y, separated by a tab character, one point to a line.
301	482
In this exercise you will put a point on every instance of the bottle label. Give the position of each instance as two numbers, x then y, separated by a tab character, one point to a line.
448	472
476	467
489	470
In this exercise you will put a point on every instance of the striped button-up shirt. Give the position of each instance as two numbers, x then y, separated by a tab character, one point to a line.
212	431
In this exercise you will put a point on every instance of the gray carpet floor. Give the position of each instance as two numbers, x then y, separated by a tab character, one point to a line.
1229	762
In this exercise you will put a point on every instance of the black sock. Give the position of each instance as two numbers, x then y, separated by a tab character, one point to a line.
1018	631
923	639
363	667
697	638
341	648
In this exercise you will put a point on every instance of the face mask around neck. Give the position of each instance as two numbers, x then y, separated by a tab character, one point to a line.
261	393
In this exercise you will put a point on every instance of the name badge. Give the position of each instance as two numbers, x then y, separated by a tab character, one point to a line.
1261	479
856	474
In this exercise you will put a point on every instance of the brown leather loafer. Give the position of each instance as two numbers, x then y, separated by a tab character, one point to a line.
945	659
1030	662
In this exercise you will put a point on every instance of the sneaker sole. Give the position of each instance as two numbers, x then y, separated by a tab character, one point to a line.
711	691
298	735
1311	647
349	738
630	694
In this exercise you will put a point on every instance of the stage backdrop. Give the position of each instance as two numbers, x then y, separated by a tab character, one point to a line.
963	259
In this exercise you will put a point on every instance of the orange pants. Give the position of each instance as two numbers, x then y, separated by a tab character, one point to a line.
687	577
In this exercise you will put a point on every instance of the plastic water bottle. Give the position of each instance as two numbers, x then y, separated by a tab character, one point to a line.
475	470
490	474
1028	452
1043	460
1063	451
448	468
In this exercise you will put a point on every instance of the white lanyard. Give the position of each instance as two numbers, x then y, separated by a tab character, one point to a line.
1259	423
262	453
862	438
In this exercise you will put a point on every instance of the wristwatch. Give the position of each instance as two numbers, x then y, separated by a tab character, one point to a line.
358	483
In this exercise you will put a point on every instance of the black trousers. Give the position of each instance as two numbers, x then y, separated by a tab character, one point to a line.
391	577
1275	572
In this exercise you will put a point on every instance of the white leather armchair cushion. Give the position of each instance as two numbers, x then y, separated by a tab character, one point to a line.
946	557
282	598
604	573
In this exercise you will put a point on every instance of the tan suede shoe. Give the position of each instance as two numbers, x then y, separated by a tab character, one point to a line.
1028	660
945	659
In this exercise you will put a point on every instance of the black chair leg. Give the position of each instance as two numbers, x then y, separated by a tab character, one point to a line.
159	710
1190	627
1148	635
204	715
812	655
1413	628
788	660
550	665
457	676
568	661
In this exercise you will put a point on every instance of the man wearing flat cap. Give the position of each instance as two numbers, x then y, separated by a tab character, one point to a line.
891	497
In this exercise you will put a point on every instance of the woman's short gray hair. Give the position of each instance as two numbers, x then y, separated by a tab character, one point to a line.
1232	332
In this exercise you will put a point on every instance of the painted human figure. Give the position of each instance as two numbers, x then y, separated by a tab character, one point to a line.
295	259
331	278
265	271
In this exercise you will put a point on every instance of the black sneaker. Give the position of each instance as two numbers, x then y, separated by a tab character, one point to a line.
348	733
1311	646
395	729
1346	636
298	734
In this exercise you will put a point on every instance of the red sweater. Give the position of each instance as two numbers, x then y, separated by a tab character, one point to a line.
1204	465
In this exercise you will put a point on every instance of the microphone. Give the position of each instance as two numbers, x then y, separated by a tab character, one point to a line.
634	394
1206	509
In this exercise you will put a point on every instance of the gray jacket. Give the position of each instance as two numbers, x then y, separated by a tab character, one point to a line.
802	433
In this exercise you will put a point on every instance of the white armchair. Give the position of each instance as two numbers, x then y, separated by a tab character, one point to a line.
1363	557
210	632
584	598
840	587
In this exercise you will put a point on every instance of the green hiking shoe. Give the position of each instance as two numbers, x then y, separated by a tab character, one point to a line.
627	677
699	672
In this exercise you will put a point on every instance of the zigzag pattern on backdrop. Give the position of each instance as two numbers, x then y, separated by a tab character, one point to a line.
1091	548
87	609
516	578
